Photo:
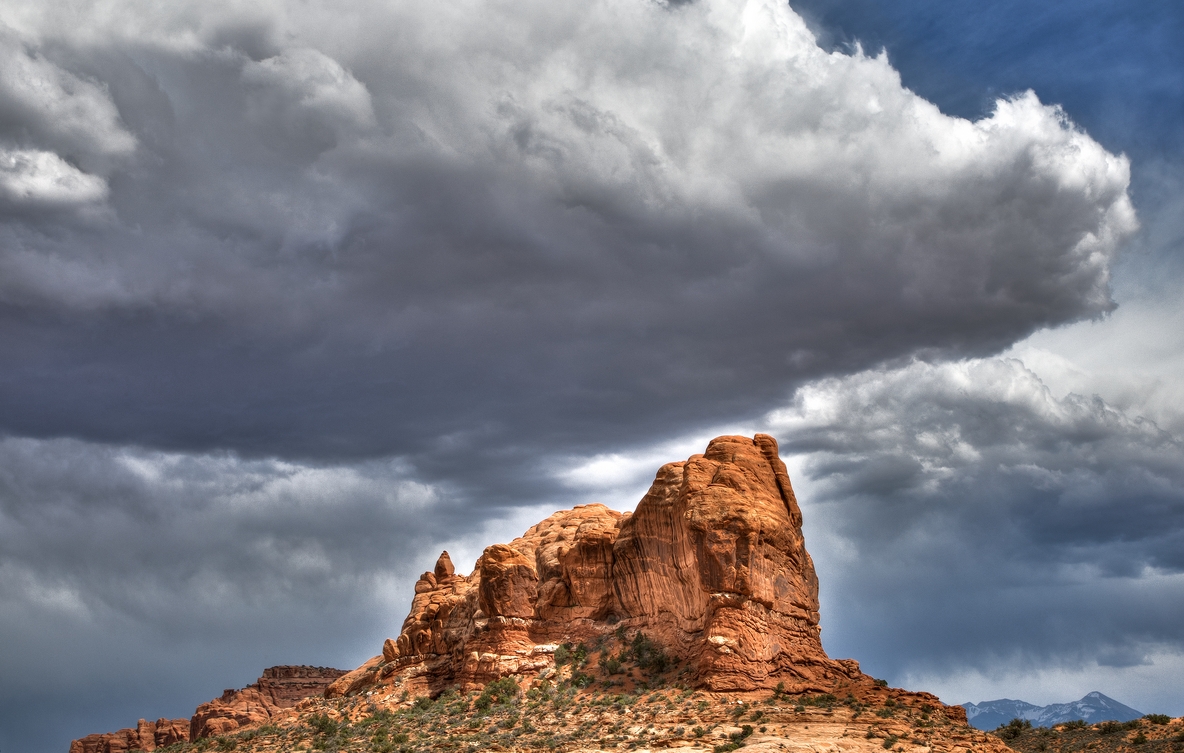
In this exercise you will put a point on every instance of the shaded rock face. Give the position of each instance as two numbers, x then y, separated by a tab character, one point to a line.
712	565
145	736
279	688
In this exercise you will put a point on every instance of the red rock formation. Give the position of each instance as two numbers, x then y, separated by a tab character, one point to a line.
712	565
278	688
145	736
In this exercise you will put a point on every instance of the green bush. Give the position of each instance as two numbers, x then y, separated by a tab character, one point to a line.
323	725
580	655
609	664
1157	718
563	655
1109	728
1012	729
890	741
498	693
1075	724
647	654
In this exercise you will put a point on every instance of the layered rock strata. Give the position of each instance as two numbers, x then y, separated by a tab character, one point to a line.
279	688
712	566
145	736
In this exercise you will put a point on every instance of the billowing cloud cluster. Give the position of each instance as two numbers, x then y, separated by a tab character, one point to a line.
133	577
992	525
293	293
362	236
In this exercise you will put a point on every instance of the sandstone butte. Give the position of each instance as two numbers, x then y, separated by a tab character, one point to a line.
712	566
711	571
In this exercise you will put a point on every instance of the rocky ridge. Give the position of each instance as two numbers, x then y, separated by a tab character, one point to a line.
691	623
277	689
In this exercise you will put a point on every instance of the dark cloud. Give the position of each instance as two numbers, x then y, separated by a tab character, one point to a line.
125	571
292	297
362	249
972	521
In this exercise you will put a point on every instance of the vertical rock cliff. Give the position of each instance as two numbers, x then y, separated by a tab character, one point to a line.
712	566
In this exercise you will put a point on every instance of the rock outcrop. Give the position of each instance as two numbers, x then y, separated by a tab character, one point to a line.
145	736
279	688
712	566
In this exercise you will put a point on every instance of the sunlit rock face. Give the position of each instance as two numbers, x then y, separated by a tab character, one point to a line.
712	566
278	689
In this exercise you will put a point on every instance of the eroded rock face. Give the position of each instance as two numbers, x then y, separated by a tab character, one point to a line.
145	736
712	565
279	688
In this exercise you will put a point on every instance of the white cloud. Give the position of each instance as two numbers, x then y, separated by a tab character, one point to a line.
56	108
979	535
647	119
43	178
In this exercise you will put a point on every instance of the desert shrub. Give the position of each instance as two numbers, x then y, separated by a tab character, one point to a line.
1074	724
322	724
580	655
647	654
890	741
1157	718
497	693
609	664
882	683
563	655
1111	727
1139	739
1012	729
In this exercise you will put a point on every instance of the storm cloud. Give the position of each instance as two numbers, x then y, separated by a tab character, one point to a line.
294	295
972	522
293	237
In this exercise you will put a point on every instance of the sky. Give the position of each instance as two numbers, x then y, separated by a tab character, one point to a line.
295	295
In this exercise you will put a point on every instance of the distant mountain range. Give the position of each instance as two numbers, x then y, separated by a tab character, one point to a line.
1094	707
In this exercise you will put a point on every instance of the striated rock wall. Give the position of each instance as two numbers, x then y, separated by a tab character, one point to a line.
279	688
145	736
712	565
